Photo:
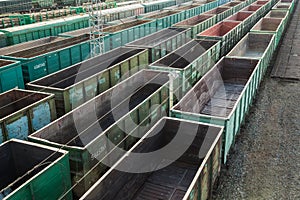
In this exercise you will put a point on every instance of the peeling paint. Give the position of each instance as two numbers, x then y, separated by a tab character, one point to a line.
18	129
41	116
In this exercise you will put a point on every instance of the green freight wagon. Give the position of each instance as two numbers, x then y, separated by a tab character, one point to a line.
23	112
3	40
220	12
189	9
48	58
202	7
223	97
164	18
258	9
270	26
42	3
187	171
198	23
157	5
79	83
122	12
16	35
79	32
33	171
69	24
207	4
281	14
163	42
28	45
228	32
10	75
121	21
122	34
266	5
247	20
110	122
285	6
258	46
194	9
87	31
190	62
291	2
236	5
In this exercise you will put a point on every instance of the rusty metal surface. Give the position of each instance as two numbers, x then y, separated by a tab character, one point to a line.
220	106
287	64
167	183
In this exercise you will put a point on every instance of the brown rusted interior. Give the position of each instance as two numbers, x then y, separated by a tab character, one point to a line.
217	92
15	100
252	46
106	108
4	63
162	14
40	50
267	24
194	20
169	183
126	25
184	56
17	159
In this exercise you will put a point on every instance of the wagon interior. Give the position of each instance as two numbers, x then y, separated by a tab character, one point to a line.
170	182
218	91
194	20
218	10
185	55
161	14
220	29
276	14
283	5
4	63
19	160
87	122
156	38
252	46
29	45
252	8
16	100
232	4
126	25
267	24
52	46
240	16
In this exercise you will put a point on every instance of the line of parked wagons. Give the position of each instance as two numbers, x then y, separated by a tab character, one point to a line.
190	87
16	13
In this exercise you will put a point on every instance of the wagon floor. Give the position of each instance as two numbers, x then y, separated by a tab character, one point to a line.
222	103
169	183
253	53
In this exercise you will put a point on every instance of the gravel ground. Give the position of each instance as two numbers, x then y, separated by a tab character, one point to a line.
265	161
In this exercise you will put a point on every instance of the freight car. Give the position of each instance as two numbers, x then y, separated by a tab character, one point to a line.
131	107
194	177
77	84
23	112
33	171
190	176
9	6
